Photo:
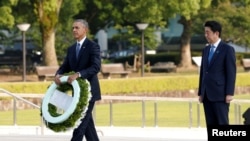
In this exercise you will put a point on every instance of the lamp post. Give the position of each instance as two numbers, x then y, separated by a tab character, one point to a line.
142	27
24	27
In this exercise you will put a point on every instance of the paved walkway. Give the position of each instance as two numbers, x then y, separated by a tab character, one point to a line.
27	133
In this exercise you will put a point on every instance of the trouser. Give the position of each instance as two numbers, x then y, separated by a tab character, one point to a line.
216	112
86	127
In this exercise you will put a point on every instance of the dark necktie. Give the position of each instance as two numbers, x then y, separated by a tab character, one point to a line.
78	47
211	53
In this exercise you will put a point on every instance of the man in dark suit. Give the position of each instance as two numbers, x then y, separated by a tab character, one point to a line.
86	64
217	76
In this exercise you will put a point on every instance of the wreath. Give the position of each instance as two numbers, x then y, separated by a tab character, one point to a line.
81	107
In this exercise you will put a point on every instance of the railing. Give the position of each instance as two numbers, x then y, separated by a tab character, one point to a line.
237	107
17	97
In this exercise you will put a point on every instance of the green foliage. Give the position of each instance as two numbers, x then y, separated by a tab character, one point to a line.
124	13
24	16
64	37
129	86
7	20
99	14
235	25
141	11
187	9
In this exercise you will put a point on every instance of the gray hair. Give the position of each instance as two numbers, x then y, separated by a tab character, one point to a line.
84	22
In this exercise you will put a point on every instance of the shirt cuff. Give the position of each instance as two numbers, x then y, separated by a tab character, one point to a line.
79	74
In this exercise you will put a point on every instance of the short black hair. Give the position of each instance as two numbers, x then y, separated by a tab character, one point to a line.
214	26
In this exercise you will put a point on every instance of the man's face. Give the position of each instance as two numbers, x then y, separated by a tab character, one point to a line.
79	30
211	36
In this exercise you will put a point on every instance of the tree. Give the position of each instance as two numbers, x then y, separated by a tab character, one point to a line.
123	16
53	23
7	20
48	13
233	15
48	17
54	19
64	37
187	9
141	11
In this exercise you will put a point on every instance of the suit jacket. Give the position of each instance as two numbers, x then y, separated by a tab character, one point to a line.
217	79
88	65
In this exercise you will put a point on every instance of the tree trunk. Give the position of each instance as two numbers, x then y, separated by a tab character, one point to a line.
48	14
49	55
185	49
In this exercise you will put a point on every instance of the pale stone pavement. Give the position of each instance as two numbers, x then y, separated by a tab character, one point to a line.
31	133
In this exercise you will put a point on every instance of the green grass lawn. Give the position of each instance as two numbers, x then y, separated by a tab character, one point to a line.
169	114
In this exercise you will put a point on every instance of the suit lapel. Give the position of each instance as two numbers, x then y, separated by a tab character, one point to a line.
206	53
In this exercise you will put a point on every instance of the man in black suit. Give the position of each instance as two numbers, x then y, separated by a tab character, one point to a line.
86	64
217	76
